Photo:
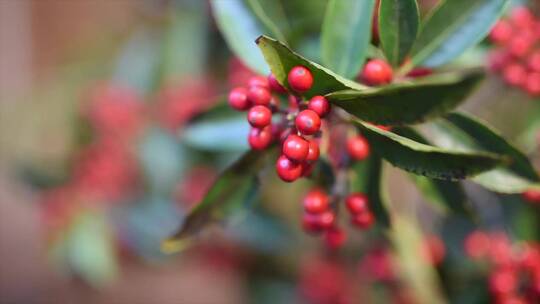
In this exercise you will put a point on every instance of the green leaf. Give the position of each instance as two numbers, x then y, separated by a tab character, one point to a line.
281	60
235	186
427	160
398	26
513	178
453	27
240	28
370	181
490	140
447	195
346	32
272	15
409	102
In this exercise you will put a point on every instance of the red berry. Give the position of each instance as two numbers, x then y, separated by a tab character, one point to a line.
259	95
300	79
259	116
275	85
522	17
521	44
320	105
532	196
258	81
288	170
316	201
363	220
357	203
532	84
533	62
476	244
501	33
358	147
238	99
327	219
433	250
335	237
260	139
296	148
308	122
313	151
311	223
503	281
515	74
377	72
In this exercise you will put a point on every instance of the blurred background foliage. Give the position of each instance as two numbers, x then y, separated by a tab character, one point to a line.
169	62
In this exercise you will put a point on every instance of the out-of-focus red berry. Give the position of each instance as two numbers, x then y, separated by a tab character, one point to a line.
502	32
522	17
377	72
275	86
327	219
357	203
533	61
308	122
532	84
259	95
532	196
358	147
258	81
259	116
433	250
296	148
287	169
363	220
320	105
515	74
477	244
498	59
520	45
238	99
503	281
260	139
335	237
316	201
300	79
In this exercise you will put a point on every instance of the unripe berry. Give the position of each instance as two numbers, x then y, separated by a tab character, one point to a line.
357	203
501	33
532	196
275	85
258	81
313	151
260	139
288	170
259	95
335	237
377	72
515	74
238	99
316	201
358	147
532	84
259	116
300	79
320	105
296	148
308	122
363	220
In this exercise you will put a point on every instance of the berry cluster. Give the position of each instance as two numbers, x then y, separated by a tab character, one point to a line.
517	52
515	275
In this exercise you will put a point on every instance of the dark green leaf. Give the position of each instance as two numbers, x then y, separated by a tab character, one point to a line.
272	15
398	26
490	140
235	186
346	32
369	181
281	60
448	195
410	102
240	28
453	27
427	160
